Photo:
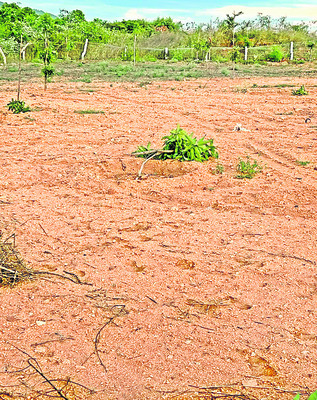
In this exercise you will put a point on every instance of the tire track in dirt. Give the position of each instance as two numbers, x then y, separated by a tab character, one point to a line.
282	165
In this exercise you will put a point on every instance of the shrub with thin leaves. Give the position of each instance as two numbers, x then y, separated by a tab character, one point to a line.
185	147
180	145
144	151
275	55
18	106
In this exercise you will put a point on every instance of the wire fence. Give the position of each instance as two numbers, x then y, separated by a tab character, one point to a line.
297	52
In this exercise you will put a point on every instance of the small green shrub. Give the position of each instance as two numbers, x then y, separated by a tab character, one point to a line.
185	147
182	146
18	106
247	169
177	55
275	55
127	55
300	92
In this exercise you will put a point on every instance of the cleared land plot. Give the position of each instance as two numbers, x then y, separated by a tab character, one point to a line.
196	279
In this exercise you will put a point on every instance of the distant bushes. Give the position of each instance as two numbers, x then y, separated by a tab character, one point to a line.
221	40
276	54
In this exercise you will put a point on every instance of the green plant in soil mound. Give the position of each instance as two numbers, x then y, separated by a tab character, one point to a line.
18	106
180	145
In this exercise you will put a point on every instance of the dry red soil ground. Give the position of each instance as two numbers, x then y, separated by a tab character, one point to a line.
189	279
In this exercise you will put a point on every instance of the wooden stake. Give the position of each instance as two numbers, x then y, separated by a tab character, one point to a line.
134	50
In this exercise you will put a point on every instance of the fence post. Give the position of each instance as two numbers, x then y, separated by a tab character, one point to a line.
245	53
292	51
4	57
85	50
166	53
134	50
23	51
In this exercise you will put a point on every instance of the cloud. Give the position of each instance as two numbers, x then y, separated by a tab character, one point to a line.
303	11
151	13
300	12
133	13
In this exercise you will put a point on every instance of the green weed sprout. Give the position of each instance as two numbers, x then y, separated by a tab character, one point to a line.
247	169
219	169
303	163
300	92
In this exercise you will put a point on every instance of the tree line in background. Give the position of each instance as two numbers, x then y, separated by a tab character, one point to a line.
46	37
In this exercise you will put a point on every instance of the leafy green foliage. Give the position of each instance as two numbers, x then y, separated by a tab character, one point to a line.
168	23
146	150
275	55
185	147
247	169
47	55
313	396
48	71
18	106
300	92
229	25
236	54
182	146
67	33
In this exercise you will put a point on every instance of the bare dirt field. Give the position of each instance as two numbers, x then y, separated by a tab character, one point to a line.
184	284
